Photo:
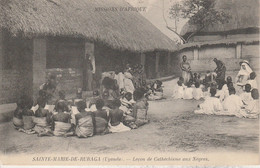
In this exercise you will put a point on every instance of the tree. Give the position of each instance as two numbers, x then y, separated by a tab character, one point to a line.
201	13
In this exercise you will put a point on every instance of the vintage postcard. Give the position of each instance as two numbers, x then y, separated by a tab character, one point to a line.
129	82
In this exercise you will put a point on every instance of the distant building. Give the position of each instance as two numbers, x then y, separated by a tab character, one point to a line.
230	42
42	36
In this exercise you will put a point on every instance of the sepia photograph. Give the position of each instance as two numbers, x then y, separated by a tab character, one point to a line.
129	82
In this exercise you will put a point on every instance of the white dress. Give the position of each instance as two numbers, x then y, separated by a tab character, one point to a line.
188	93
197	93
246	97
253	84
178	92
221	94
211	105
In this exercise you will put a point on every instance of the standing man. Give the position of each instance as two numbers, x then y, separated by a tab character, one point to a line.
220	71
186	70
90	72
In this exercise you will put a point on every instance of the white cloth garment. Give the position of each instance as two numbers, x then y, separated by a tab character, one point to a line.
120	80
232	104
221	94
197	93
246	97
128	84
253	84
243	74
178	92
188	93
211	105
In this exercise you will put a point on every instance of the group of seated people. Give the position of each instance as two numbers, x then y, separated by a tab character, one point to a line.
220	98
107	111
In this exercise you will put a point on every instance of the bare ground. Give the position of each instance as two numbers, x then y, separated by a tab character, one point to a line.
173	128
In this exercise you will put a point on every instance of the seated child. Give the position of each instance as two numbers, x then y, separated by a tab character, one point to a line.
127	103
18	113
211	105
78	96
61	120
93	100
208	78
157	91
140	108
252	81
42	119
252	109
188	91
28	114
178	90
84	121
233	103
101	118
246	95
197	92
116	118
221	92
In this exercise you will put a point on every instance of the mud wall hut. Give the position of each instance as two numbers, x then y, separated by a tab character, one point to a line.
230	42
43	36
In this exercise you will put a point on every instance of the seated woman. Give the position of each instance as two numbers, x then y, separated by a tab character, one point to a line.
244	73
127	103
61	121
252	109
84	121
42	119
93	100
157	91
101	118
211	105
18	114
140	108
116	118
108	92
28	114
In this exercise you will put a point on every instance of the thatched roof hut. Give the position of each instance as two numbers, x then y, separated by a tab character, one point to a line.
92	20
244	16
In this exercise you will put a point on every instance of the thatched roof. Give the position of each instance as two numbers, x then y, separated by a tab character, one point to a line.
219	42
125	30
244	14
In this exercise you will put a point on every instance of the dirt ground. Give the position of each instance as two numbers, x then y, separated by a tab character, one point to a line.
173	128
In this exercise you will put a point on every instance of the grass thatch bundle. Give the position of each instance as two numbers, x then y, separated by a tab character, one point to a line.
244	14
244	40
126	30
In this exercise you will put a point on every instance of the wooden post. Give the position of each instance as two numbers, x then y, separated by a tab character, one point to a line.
143	59
169	62
157	58
38	64
196	54
1	62
238	51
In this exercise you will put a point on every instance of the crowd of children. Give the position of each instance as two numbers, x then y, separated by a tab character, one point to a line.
220	98
111	109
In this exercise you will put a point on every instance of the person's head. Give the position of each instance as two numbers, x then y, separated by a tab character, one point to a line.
52	79
243	66
184	58
159	83
229	79
108	83
255	94
247	88
128	96
116	103
195	75
232	91
81	105
198	76
208	72
61	106
215	59
100	104
41	102
252	75
138	94
213	91
181	79
197	84
62	94
95	93
179	83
